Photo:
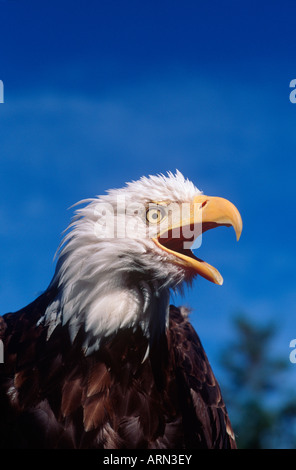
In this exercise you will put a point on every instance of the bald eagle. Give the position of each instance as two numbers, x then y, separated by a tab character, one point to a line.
101	359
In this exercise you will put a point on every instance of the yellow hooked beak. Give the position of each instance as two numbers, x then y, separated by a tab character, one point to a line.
205	213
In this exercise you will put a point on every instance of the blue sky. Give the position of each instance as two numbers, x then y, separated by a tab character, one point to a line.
98	93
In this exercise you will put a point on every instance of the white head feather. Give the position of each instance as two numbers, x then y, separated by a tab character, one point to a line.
108	281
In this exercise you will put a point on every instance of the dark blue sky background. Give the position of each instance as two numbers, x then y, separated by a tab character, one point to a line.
98	93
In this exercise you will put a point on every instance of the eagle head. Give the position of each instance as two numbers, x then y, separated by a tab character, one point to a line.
125	250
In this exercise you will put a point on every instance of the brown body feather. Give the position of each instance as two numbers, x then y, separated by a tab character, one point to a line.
53	396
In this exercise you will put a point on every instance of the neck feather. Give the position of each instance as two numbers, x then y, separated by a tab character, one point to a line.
104	294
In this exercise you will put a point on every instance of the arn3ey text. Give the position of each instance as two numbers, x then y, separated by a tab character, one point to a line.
153	459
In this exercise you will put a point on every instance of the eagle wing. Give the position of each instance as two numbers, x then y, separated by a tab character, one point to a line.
205	418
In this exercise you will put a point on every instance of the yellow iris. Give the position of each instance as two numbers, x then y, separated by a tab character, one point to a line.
155	214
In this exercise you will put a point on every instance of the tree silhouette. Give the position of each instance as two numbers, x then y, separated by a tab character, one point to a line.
261	414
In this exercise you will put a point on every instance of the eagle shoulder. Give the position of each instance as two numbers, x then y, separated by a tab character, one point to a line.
52	395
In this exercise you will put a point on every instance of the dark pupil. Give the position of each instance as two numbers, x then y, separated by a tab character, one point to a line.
155	215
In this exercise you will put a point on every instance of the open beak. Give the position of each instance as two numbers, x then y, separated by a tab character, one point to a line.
205	213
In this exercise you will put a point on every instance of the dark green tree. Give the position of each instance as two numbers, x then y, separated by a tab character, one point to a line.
253	389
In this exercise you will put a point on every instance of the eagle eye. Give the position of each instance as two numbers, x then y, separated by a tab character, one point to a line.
155	214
